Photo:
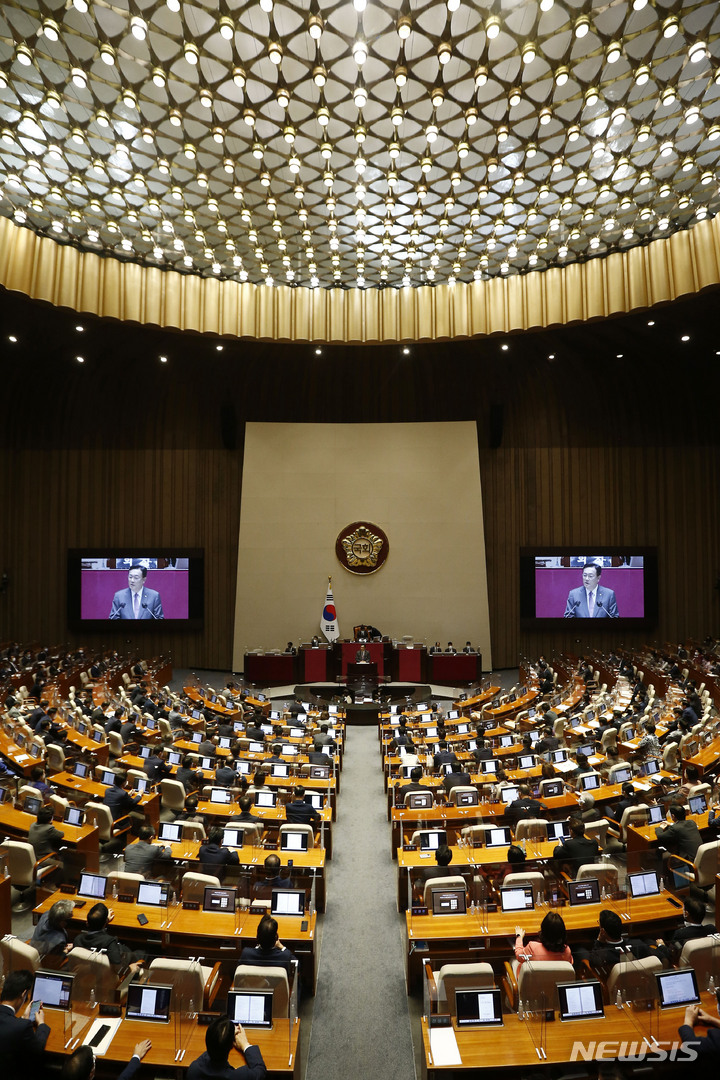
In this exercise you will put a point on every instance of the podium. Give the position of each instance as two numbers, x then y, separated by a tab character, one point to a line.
314	665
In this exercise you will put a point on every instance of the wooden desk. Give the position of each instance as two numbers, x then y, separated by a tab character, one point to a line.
181	933
279	1047
486	936
272	817
82	791
641	839
99	751
83	838
20	760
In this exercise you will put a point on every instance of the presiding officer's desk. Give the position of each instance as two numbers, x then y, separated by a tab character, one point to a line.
483	935
178	932
83	839
307	866
531	1045
279	1047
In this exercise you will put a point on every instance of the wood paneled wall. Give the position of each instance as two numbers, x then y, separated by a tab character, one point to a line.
614	441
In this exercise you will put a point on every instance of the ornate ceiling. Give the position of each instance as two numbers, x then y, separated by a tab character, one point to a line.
311	143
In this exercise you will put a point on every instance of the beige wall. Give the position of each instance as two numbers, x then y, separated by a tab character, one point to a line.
303	483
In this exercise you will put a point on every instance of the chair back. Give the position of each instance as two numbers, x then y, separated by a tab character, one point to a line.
703	954
194	885
461	789
606	874
532	877
115	742
188	978
452	977
20	858
192	830
598	830
18	954
609	739
93	972
635	979
172	795
670	757
531	829
290	828
127	883
55	759
538	979
266	977
633	815
706	863
98	814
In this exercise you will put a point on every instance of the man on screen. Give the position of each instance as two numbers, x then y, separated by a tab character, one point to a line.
591	600
136	602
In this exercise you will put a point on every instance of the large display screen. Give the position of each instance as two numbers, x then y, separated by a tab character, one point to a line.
601	586
143	586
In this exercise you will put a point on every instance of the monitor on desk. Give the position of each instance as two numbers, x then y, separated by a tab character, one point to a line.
145	752
432	839
81	728
467	798
499	837
107	776
293	841
265	798
53	989
150	724
251	1008
242	768
296	733
81	770
170	832
585	891
651	767
74	816
287	902
489	765
527	761
453	714
431	732
35	749
174	758
697	804
622	776
677	988
32	804
449	901
197	735
531	712
406	771
552	788
580	1000
196	714
557	756
233	837
289	750
558	830
516	898
140	784
149	1002
256	748
419	800
314	799
282	771
505	741
207	763
319	772
462	729
221	796
480	1008
509	794
590	781
644	884
656	815
219	899
153	893
92	885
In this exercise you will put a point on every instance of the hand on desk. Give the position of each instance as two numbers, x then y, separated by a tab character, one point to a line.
695	1015
141	1048
519	932
241	1040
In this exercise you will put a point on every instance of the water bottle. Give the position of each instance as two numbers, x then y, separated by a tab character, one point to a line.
191	1008
92	999
521	1010
115	889
711	984
618	1000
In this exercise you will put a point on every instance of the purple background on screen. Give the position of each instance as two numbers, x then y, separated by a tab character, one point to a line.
97	588
552	585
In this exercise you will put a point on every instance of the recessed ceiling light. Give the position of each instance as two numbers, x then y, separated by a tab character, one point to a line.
619	356
11	337
406	351
80	359
685	337
80	329
651	323
318	352
219	348
551	356
504	348
163	359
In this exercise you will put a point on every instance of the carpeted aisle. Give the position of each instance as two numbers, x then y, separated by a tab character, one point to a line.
361	1023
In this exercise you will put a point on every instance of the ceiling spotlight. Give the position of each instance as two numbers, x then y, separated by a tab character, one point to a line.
404	26
315	27
613	52
107	54
159	77
514	97
669	96
319	75
431	133
492	27
582	26
249	117
258	151
642	75
444	52
138	28
191	53
79	78
697	52
227	28
359	51
692	114
189	151
561	76
173	5
323	116
529	53
545	116
670	26
129	99
360	97
481	77
239	77
275	52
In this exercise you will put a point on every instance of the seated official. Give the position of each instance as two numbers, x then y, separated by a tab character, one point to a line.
705	1045
524	807
221	1037
611	946
81	1063
269	949
43	835
443	858
301	813
276	876
578	848
141	856
157	768
51	932
120	801
213	856
682	838
245	803
22	1041
187	775
551	946
97	936
694	926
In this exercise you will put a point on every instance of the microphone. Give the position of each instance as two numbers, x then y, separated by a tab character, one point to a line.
151	611
571	613
120	606
607	610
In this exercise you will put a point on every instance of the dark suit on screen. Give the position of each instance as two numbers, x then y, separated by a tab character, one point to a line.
150	605
605	604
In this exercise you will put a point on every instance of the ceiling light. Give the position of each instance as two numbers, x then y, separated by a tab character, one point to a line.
613	52
545	116
227	28
666	148
191	53
138	28
642	75
394	149
687	164
692	114
697	52
669	96
582	26
360	97
107	54
315	27
319	75
638	5
323	116
258	151
561	76
529	53
128	98
173	5
52	98
404	26
530	150
80	5
239	77
79	78
294	165
492	27
573	133
400	76
218	135
514	97
359	51
249	117
206	98
463	149
431	133
444	52
189	151
643	133
714	133
670	26
502	133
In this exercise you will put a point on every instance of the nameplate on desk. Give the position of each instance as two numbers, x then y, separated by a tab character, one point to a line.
191	905
126	898
206	1018
67	888
107	1009
439	1020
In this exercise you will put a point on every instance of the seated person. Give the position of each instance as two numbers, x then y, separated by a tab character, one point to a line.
190	813
213	856
443	755
551	946
141	856
37	780
456	778
682	838
97	936
276	876
578	848
81	1063
225	775
516	861
157	768
693	927
299	812
245	803
51	932
221	1037
43	835
482	751
268	949
611	945
120	801
705	1045
524	807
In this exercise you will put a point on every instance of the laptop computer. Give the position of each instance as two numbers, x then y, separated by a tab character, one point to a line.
419	800
149	1002
505	741
174	758
489	765
207	763
450	901
651	767
580	1000
558	755
677	988
32	804
431	839
280	770
153	893
219	899
294	841
287	902
233	837
140	784
251	1008
590	781
53	989
107	776
516	898
255	748
221	796
558	830
480	1008
644	884
265	798
467	798
224	742
74	816
81	770
92	885
527	761
586	891
552	788
499	837
145	752
656	815
697	804
242	768
315	799
171	832
509	794
622	776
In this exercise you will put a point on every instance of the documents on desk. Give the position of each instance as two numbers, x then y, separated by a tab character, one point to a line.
444	1047
112	1024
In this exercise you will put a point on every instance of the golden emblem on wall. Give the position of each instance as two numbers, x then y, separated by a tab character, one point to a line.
362	547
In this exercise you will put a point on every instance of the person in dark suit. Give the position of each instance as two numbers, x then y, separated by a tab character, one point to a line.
213	856
157	768
450	648
682	837
610	946
188	777
121	802
245	817
443	755
299	812
591	600
22	1041
97	936
362	656
523	807
482	751
414	785
81	1063
221	1037
692	928
136	602
225	775
434	649
140	857
43	835
443	858
269	950
468	648
577	849
456	778
707	1045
